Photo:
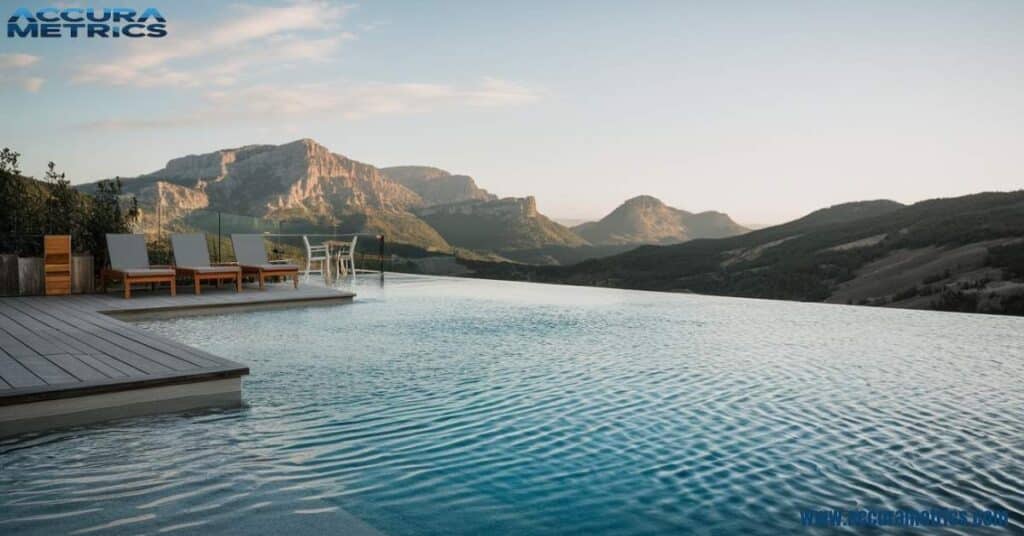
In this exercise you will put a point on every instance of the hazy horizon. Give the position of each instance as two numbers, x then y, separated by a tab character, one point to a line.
765	112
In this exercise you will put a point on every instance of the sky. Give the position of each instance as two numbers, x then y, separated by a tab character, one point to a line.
763	110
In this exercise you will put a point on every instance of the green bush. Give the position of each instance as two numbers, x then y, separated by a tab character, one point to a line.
30	209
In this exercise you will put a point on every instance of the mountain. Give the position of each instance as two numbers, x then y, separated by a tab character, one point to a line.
302	177
437	186
646	220
497	225
847	212
963	254
305	185
297	181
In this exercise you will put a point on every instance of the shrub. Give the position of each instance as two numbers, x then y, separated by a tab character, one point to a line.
30	208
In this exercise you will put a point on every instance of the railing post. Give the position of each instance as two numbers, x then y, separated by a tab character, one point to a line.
159	212
219	239
380	253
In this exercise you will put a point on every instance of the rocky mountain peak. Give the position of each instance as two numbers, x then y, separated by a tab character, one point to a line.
645	219
300	179
643	201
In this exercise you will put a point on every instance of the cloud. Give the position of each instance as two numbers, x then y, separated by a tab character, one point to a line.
135	123
234	69
217	55
357	101
14	61
32	84
263	103
292	48
367	99
373	25
378	98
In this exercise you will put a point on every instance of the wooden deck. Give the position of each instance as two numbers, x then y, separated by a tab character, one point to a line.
62	347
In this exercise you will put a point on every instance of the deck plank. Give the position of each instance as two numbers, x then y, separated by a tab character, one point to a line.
172	355
76	367
35	341
47	371
109	369
92	344
66	346
13	346
15	374
33	324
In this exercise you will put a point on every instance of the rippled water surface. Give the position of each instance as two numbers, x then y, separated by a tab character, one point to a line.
446	406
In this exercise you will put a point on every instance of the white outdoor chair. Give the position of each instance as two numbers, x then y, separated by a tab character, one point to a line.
346	255
319	254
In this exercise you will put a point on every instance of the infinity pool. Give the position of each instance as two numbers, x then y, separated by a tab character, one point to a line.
455	406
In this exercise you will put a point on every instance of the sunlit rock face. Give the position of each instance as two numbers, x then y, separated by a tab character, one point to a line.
302	177
508	223
437	186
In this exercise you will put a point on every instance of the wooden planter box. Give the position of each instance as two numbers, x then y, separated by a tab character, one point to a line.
30	276
83	274
25	276
8	275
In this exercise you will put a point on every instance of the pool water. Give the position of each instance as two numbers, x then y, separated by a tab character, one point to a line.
456	406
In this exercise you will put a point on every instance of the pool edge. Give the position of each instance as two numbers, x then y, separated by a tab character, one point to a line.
51	414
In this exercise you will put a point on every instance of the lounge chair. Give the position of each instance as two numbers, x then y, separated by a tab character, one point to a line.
192	260
251	255
129	263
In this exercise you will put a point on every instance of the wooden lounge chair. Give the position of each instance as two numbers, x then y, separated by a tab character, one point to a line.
192	260
129	263
251	255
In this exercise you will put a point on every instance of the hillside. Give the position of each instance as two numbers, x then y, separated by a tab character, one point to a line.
31	208
563	255
646	220
964	253
503	224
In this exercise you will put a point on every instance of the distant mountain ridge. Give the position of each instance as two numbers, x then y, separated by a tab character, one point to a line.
303	182
437	186
847	212
646	220
958	254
